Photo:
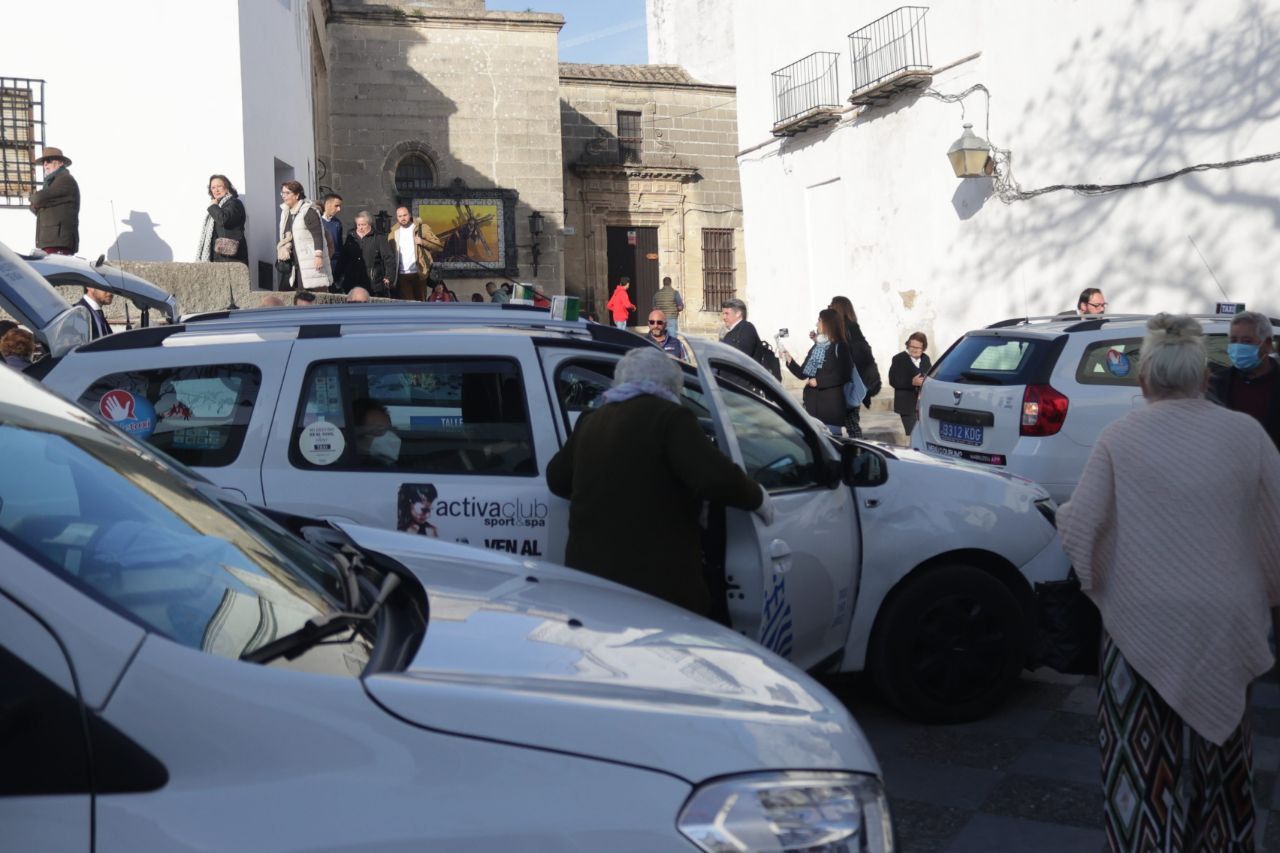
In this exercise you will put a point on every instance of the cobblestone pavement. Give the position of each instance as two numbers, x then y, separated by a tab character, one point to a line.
1027	778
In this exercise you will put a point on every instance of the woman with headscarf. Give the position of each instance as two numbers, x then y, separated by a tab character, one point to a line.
1174	532
642	436
222	238
301	255
826	369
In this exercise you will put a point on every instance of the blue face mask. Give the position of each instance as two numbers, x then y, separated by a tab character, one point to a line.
1244	356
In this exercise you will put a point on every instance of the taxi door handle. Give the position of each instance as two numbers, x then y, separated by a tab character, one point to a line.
780	555
871	503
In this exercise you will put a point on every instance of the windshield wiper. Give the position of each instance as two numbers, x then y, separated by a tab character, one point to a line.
317	630
980	378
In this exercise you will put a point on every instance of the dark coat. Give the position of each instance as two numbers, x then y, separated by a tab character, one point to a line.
863	358
99	327
638	471
901	372
57	210
826	401
743	337
365	262
1220	393
228	221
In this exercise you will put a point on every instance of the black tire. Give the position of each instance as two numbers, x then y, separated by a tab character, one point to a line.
948	646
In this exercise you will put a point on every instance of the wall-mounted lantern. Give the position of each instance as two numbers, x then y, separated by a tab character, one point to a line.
535	230
382	222
970	155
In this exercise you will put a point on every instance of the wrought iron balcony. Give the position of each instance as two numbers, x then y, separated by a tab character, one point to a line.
806	93
890	54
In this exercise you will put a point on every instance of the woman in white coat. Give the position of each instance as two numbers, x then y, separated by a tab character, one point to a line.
302	255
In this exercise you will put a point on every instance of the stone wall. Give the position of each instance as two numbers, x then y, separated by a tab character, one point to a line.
474	92
687	179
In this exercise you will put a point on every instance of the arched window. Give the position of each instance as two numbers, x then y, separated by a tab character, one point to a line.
413	176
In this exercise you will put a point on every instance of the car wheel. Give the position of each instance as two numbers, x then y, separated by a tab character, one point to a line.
948	646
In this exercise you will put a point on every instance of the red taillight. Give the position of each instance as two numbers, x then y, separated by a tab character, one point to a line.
1043	410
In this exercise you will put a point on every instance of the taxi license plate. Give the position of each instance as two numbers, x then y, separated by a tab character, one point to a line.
960	434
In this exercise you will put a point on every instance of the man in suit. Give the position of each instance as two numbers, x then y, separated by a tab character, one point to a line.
739	333
95	300
57	206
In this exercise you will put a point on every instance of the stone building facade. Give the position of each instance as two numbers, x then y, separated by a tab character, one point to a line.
651	187
448	96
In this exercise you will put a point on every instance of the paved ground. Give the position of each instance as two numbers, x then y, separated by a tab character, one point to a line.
1027	778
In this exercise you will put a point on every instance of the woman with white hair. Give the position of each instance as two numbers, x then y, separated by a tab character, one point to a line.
636	470
1174	532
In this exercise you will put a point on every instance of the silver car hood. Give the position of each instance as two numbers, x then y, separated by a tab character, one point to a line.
547	657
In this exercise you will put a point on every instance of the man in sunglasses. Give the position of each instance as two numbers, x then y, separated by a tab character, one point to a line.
658	334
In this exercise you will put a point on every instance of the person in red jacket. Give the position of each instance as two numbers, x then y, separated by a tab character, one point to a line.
620	304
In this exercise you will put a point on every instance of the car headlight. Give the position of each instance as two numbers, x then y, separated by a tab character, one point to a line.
814	812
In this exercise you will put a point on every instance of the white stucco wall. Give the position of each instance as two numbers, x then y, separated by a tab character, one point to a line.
149	99
1082	92
695	33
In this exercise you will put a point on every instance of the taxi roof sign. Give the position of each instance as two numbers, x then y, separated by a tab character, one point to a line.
1230	308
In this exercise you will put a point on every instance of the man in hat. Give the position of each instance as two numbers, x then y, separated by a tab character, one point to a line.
57	206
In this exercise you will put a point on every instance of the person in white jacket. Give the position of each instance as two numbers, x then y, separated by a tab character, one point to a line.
302	254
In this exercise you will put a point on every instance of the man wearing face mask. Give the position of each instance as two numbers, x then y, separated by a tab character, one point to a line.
377	444
1252	383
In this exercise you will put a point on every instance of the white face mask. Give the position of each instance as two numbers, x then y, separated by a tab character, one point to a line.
822	339
385	446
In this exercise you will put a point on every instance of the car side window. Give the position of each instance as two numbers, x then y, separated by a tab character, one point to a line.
198	415
580	387
778	449
419	416
1113	362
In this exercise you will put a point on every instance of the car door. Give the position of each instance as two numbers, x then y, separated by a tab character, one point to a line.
796	579
45	793
442	435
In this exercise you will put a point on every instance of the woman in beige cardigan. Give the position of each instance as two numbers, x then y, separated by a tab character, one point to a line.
1174	531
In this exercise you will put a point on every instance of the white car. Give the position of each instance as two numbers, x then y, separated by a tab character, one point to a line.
271	403
179	672
1030	396
75	271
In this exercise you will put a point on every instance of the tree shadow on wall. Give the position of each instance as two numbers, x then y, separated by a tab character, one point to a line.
1168	99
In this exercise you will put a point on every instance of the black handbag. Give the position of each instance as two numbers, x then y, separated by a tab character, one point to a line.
1070	627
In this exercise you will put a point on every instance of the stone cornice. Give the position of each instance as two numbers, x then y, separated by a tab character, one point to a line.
446	18
635	171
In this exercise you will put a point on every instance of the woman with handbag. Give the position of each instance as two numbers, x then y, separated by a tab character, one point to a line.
827	368
863	361
1174	533
302	256
222	238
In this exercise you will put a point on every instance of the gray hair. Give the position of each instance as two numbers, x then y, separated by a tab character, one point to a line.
737	305
1173	360
364	214
649	364
1261	323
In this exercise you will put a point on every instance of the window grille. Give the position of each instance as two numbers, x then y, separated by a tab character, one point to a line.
413	176
630	137
717	267
21	135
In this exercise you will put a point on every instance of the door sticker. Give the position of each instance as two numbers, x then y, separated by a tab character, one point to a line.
133	414
499	522
1118	362
321	443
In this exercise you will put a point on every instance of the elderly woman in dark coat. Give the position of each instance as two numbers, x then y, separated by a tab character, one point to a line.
222	238
642	437
826	370
365	258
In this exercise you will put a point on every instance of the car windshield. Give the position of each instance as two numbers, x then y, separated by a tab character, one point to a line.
113	521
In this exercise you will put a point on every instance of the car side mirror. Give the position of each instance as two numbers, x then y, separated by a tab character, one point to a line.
862	466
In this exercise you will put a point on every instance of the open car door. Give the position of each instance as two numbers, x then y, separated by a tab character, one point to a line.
33	302
791	584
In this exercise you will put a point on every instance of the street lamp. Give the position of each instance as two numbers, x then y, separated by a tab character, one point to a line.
535	230
970	155
382	222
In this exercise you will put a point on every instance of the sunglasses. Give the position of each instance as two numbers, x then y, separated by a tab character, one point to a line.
657	322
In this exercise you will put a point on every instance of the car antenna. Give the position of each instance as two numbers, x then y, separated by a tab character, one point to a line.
128	322
1209	268
231	306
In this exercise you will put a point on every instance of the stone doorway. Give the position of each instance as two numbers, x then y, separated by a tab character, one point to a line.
633	252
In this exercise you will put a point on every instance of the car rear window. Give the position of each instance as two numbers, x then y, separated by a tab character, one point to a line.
994	360
198	415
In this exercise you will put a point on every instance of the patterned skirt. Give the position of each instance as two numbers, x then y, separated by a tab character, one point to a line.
1167	788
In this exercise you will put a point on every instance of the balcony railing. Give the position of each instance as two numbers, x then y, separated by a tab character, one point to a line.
808	86
890	53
